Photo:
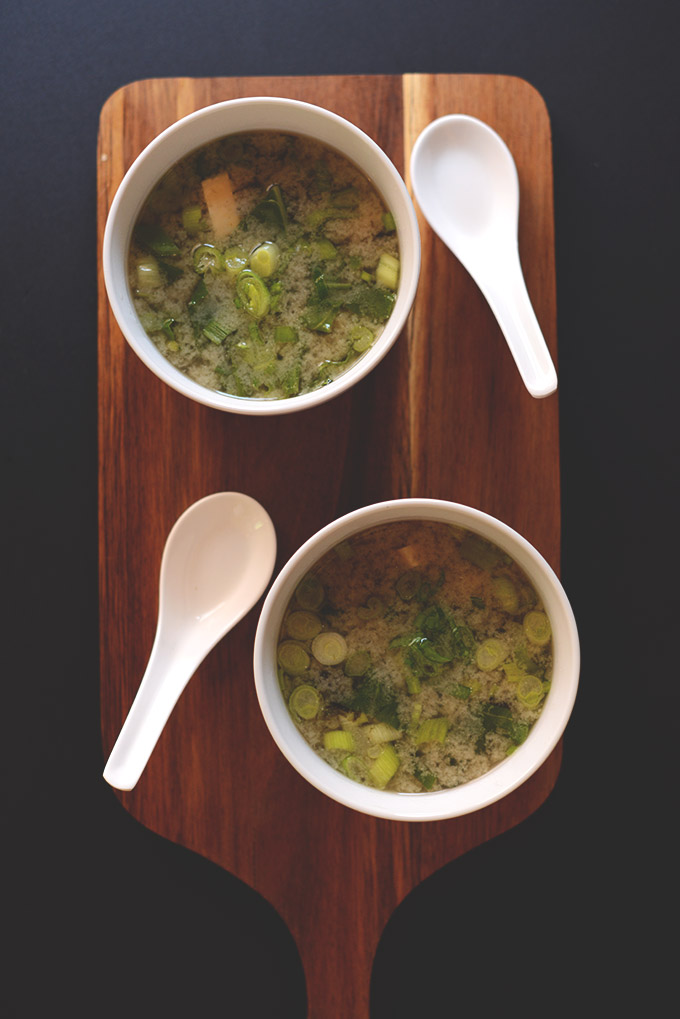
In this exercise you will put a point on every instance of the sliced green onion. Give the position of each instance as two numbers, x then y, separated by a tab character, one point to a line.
214	332
490	654
265	258
506	593
207	258
384	767
292	657
408	585
338	739
148	275
253	294
310	593
432	730
355	768
235	259
192	219
305	702
412	683
513	672
537	628
388	222
303	625
358	663
387	272
381	732
285	334
329	648
530	691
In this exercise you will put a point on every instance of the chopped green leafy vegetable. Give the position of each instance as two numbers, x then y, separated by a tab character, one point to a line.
421	667
459	690
371	697
284	231
154	239
272	209
373	302
426	778
480	552
499	718
171	272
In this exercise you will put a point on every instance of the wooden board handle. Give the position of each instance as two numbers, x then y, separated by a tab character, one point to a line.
445	415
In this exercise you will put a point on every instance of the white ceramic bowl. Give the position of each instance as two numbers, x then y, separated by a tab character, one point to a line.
213	122
497	782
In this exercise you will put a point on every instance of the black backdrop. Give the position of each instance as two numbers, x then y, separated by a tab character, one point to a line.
565	913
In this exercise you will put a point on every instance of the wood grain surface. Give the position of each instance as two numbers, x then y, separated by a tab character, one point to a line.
445	415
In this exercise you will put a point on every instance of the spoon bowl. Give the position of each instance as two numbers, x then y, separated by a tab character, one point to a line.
465	180
217	562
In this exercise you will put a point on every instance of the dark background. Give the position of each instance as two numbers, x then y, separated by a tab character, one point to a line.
566	914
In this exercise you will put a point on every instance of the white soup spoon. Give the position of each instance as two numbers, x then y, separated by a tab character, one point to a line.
217	562
466	183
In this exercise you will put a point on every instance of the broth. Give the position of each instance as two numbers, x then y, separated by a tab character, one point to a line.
415	656
263	265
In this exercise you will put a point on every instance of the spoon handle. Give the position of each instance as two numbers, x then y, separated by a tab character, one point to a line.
167	673
502	282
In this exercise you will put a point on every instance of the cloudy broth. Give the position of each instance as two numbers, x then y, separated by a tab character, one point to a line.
415	656
264	265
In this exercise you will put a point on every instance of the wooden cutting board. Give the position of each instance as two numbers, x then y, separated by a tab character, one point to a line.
445	415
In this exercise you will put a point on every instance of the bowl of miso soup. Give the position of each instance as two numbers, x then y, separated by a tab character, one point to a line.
261	255
416	660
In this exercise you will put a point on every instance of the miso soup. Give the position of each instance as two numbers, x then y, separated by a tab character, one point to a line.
264	264
415	656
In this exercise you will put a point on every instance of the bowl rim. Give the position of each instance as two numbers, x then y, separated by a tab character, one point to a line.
498	781
135	187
